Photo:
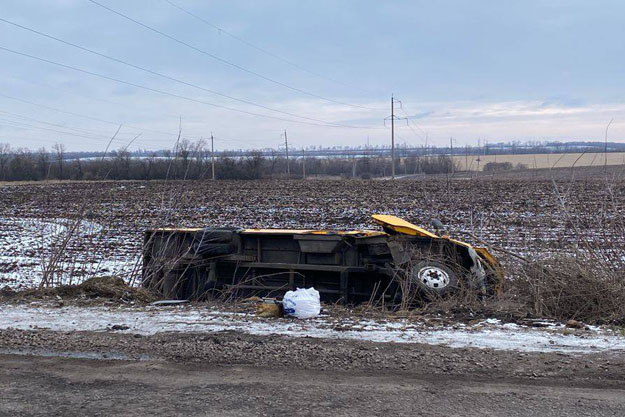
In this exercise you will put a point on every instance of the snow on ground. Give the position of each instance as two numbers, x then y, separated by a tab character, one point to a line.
27	246
151	320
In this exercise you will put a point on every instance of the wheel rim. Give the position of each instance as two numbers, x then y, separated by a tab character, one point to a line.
433	277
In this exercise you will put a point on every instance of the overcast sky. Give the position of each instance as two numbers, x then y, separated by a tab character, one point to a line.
324	70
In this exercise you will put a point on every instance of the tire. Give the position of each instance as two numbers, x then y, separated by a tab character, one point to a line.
434	278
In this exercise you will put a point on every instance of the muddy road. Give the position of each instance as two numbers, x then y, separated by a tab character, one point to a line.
230	373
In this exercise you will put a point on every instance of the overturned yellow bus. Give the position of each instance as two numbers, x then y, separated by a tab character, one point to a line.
344	266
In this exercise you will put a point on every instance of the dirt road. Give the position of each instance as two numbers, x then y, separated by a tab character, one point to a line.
229	373
61	386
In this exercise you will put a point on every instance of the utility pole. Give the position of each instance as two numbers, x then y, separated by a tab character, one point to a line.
213	155
303	164
366	157
605	151
451	153
286	144
393	118
392	137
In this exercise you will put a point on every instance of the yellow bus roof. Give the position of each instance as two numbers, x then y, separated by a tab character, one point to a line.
401	226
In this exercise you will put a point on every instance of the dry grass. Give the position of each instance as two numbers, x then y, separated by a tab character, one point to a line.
578	288
541	161
98	288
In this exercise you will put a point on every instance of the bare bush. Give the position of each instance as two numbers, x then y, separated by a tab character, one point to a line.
572	287
498	166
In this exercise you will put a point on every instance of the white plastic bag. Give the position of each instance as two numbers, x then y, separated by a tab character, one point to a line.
302	303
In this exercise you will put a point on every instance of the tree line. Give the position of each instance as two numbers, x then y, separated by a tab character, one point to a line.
191	160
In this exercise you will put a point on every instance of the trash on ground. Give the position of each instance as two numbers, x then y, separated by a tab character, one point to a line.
168	302
302	303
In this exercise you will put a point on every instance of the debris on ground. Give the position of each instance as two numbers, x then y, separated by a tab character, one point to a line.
251	300
270	308
574	324
97	288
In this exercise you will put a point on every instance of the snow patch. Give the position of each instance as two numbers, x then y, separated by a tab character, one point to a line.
27	246
151	320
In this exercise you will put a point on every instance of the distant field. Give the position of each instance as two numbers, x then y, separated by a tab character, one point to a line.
541	161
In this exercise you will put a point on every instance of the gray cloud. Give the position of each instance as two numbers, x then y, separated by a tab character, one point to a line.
491	69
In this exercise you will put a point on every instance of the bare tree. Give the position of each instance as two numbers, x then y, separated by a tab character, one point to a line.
43	161
254	164
199	152
22	165
59	148
5	153
122	162
78	169
185	148
148	165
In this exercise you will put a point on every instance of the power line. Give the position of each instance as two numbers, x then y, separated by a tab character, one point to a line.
85	116
83	133
78	133
22	125
29	126
79	130
411	128
258	48
224	61
41	139
48	138
115	123
251	45
82	95
176	95
90	134
417	134
87	135
91	51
